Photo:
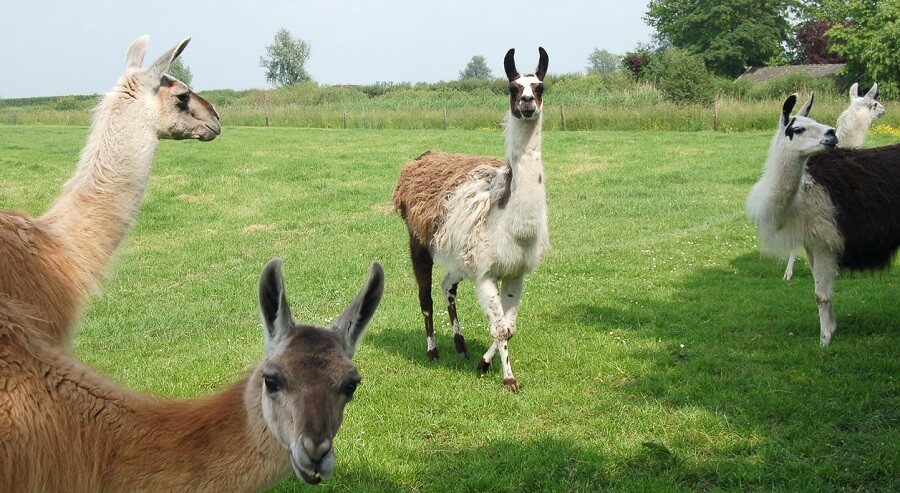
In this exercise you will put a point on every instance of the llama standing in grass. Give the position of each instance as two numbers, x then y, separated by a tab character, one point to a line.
843	206
64	427
481	219
852	126
53	261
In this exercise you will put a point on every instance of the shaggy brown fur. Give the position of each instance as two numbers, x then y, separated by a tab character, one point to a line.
420	202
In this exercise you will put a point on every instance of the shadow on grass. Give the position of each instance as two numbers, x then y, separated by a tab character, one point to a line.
740	342
410	344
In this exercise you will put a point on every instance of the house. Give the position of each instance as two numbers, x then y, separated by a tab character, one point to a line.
762	75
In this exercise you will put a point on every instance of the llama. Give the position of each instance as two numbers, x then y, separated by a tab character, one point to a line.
852	126
64	427
53	261
481	219
843	206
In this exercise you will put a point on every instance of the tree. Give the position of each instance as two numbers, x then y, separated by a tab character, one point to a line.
180	71
813	44
476	69
285	60
866	32
728	34
681	76
603	62
636	61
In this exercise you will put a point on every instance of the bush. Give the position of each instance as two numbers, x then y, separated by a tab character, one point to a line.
682	77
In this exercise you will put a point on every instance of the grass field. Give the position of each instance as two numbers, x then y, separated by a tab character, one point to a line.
657	350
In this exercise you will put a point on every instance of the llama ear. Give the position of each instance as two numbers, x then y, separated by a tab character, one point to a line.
353	321
543	62
135	55
273	305
509	64
162	63
873	92
854	91
804	111
787	108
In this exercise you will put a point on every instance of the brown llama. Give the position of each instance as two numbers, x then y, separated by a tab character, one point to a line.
64	427
53	261
481	219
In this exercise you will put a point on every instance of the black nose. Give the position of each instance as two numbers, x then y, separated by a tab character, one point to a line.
830	139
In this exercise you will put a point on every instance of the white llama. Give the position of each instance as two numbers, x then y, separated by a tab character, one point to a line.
64	427
852	126
481	219
843	206
54	260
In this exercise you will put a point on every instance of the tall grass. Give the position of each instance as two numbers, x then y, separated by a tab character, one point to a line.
657	350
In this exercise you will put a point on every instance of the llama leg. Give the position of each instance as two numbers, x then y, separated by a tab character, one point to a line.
489	298
824	271
422	264
449	285
789	272
510	296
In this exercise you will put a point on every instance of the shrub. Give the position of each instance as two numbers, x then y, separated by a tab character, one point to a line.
682	77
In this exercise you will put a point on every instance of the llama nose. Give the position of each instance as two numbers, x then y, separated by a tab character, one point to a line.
830	139
314	451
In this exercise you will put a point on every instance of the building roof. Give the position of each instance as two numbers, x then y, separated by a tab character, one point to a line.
768	74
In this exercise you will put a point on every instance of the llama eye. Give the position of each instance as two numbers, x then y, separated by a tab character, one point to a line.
271	383
183	99
539	90
350	387
799	130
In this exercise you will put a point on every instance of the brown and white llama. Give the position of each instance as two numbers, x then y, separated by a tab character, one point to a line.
843	205
481	219
852	126
64	427
54	260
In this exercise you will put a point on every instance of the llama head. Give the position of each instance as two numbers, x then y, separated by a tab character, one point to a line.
525	91
168	104
802	134
855	120
308	376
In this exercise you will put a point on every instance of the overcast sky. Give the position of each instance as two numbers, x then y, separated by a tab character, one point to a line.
62	47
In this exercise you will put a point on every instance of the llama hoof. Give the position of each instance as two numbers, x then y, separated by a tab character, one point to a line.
483	366
788	276
511	384
460	342
432	354
825	340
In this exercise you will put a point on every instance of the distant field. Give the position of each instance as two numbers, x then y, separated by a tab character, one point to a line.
657	350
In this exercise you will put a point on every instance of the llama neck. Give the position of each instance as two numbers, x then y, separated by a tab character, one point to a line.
523	153
852	127
215	443
100	201
781	180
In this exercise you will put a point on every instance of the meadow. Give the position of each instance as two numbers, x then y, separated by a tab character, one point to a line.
657	349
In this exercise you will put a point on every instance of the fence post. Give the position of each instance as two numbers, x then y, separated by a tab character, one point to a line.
344	119
716	115
562	114
445	118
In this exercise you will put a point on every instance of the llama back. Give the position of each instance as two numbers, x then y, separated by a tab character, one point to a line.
864	185
426	183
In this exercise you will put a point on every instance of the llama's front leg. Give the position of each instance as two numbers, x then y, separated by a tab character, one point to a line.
422	264
789	272
825	269
449	284
510	297
489	299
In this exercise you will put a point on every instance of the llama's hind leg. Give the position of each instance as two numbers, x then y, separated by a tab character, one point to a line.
422	264
449	284
825	269
489	299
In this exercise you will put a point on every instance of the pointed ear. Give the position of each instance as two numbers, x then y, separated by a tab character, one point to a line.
543	62
509	64
135	55
353	321
161	64
873	92
273	305
786	109
854	91
804	111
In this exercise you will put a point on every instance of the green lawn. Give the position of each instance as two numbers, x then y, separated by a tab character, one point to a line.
657	350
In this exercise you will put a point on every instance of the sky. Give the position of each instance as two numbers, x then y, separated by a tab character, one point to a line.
65	47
